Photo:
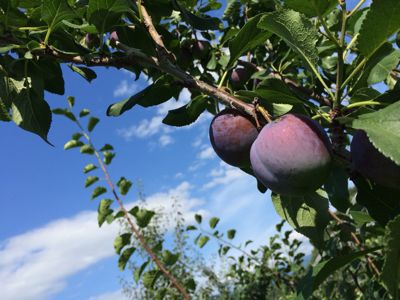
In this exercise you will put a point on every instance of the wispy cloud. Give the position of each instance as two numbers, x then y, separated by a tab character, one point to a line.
126	89
207	153
36	264
165	140
116	295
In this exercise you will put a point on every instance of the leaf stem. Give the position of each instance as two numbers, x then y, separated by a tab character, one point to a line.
362	103
355	71
361	2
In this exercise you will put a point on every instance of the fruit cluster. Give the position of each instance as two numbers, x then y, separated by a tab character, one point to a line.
292	155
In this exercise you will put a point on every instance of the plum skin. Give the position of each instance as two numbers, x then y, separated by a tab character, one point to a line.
292	156
231	134
370	163
240	76
200	49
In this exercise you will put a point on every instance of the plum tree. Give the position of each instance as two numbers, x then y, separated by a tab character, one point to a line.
113	38
240	76
92	40
231	134
292	155
372	164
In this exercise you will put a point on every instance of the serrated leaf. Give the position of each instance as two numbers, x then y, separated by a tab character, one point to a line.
391	267
381	22
213	222
104	14
203	241
296	30
87	149
383	68
249	37
88	168
124	185
104	211
323	270
186	114
360	217
86	73
231	234
312	8
100	190
72	144
308	215
160	91
198	218
92	123
91	180
273	90
383	130
124	257
84	112
121	241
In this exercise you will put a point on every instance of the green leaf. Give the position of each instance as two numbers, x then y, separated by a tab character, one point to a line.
107	147
124	257
29	110
92	123
169	258
71	101
360	217
143	217
203	241
108	157
139	271
191	227
104	211
85	27
337	188
87	149
150	277
55	11
382	69
231	234
90	180
84	112
105	14
308	215
391	267
72	144
273	90
86	73
64	112
186	114
383	130
88	168
198	218
312	8
246	39
100	190
381	22
160	91
124	185
323	270
213	222
121	241
296	30
200	23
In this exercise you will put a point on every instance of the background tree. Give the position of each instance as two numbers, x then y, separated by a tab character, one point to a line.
314	64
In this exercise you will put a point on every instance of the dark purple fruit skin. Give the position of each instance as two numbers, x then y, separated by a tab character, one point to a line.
240	76
92	40
231	134
292	155
370	163
200	49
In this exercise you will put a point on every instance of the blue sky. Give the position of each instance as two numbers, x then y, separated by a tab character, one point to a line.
50	244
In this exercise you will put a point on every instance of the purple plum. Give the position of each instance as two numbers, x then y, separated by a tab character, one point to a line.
292	155
372	164
231	134
200	49
113	38
240	76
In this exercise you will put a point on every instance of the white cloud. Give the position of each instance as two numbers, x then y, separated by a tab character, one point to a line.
224	174
116	295
126	88
146	128
207	153
165	140
36	264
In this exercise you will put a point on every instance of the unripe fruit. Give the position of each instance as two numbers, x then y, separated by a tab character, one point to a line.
232	134
292	155
369	162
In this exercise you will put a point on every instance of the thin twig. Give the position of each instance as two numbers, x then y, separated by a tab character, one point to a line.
133	227
357	242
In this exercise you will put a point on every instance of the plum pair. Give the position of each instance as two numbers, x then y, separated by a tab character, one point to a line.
291	155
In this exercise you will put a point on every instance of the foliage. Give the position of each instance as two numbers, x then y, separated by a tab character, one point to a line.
317	59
